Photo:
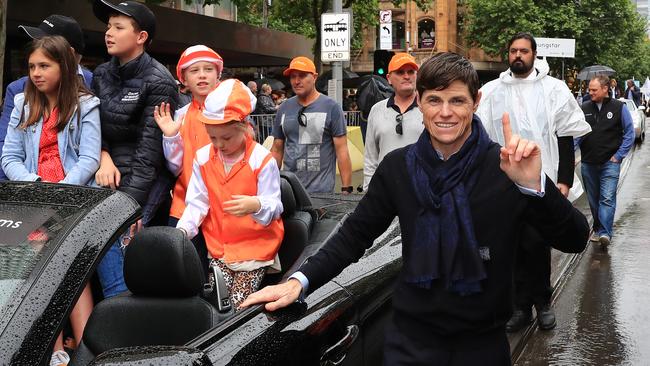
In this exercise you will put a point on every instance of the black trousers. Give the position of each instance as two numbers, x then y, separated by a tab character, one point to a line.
532	276
404	345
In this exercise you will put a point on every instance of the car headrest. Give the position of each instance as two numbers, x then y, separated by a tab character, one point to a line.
161	262
303	202
288	199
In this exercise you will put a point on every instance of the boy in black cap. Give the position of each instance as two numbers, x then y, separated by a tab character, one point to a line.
53	25
129	86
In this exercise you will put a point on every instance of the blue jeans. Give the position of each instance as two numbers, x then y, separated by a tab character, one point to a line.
600	181
111	268
111	271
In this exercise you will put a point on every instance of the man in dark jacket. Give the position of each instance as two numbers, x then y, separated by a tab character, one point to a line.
54	24
602	152
265	104
461	202
633	93
129	86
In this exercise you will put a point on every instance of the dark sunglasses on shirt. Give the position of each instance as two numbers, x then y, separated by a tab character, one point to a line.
302	117
398	128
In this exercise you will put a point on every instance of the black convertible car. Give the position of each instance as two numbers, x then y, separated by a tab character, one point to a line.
52	238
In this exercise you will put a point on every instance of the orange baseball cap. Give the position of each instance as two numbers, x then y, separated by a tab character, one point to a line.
230	101
300	63
400	60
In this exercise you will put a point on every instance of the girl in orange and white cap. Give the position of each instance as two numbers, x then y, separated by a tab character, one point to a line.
199	69
236	184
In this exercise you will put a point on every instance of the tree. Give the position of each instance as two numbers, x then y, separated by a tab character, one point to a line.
303	16
606	32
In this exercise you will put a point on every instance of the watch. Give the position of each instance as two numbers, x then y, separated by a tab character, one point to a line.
347	189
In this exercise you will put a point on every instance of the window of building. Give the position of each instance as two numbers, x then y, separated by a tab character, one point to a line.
399	40
426	33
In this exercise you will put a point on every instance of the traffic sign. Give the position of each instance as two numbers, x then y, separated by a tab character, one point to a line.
385	30
335	37
385	16
556	47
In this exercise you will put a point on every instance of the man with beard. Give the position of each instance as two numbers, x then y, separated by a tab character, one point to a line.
542	109
394	122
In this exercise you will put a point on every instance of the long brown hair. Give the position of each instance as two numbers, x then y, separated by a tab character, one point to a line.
57	49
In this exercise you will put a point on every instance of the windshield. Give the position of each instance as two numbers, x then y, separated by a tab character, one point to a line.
27	234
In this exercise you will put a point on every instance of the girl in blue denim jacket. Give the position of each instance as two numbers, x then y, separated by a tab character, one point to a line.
54	136
54	128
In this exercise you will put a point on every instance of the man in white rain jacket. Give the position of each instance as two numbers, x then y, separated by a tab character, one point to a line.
541	109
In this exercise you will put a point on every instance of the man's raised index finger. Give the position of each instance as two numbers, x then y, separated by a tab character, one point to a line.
507	130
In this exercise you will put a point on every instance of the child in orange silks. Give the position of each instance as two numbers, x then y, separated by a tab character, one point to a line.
236	182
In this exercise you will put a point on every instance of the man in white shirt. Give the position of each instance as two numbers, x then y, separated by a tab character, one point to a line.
394	122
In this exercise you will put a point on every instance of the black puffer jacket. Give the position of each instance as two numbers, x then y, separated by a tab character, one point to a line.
128	95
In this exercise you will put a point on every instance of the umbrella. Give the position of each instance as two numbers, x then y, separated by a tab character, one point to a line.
275	84
372	89
321	82
590	71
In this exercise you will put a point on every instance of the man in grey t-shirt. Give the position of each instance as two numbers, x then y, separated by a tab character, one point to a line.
309	133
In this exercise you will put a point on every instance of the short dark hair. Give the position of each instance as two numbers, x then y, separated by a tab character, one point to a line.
442	69
603	79
523	35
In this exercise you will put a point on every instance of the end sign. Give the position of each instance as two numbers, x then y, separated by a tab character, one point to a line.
335	37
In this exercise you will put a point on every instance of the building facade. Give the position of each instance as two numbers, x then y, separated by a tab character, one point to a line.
423	33
643	8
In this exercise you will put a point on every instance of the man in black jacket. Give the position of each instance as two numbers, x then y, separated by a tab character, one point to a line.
129	86
602	152
633	93
461	202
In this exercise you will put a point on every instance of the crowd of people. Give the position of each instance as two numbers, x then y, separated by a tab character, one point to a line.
489	168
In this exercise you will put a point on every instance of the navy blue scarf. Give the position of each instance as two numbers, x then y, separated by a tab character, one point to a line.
445	246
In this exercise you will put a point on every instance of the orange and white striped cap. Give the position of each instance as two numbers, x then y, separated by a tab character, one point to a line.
230	101
196	54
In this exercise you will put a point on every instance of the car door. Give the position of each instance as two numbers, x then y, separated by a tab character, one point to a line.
371	282
66	229
300	334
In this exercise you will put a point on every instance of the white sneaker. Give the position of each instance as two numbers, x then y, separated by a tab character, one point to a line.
59	358
604	241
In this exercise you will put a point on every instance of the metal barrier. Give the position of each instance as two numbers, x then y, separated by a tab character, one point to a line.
264	123
353	118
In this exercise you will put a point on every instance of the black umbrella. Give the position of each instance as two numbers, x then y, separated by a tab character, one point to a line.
590	71
321	82
372	89
275	84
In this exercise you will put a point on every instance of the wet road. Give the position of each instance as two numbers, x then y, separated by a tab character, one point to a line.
603	310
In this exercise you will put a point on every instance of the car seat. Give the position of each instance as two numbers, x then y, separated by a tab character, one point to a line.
163	273
298	217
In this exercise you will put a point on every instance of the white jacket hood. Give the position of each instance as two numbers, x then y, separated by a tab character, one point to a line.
541	108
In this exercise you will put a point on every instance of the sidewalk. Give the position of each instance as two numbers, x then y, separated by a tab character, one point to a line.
561	265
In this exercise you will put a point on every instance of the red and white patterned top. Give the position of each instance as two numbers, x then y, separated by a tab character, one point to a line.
50	168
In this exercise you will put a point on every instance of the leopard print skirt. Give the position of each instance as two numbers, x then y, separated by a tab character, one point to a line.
240	283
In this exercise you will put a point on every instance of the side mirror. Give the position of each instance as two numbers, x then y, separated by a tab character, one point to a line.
642	108
152	355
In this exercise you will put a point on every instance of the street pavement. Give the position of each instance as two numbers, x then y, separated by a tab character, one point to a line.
601	298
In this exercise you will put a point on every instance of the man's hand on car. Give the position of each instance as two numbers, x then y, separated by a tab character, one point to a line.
275	297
